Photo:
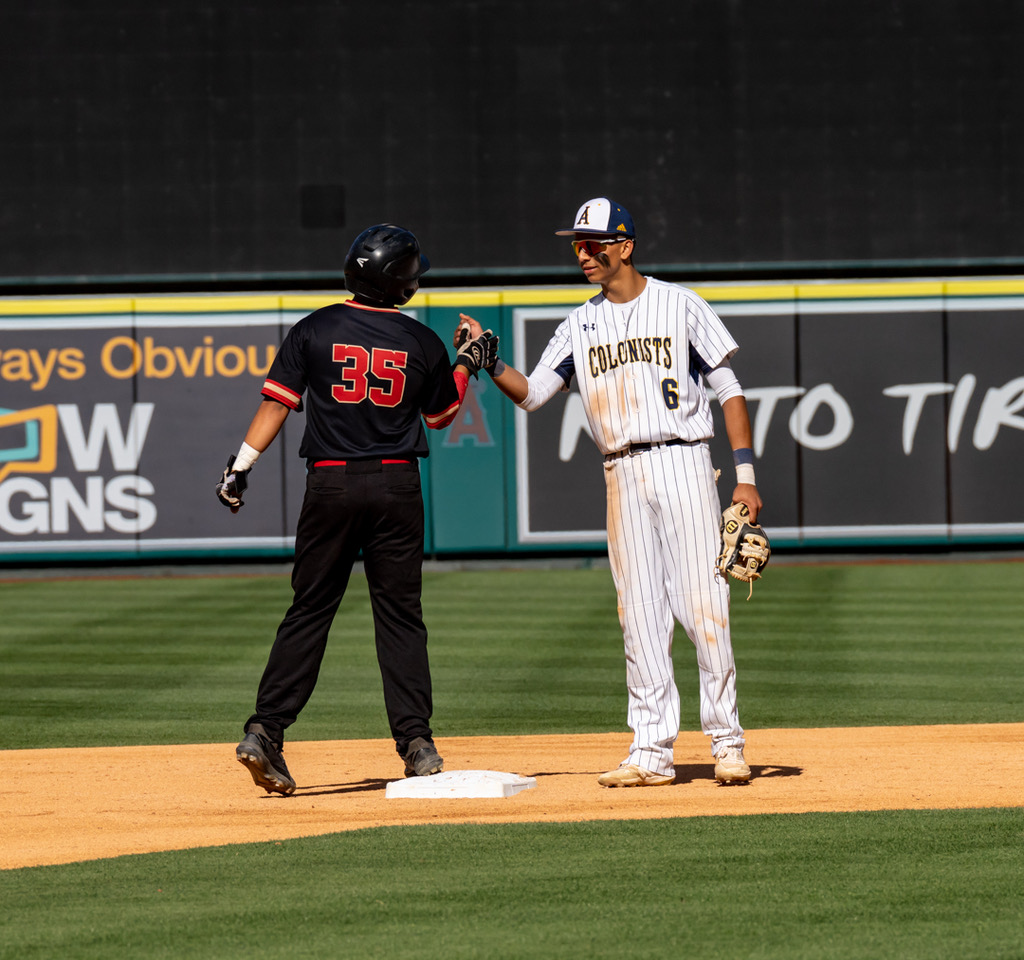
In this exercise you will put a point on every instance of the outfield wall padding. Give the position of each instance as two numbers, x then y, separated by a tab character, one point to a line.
884	413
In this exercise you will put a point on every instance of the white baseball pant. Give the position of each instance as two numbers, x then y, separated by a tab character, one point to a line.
663	538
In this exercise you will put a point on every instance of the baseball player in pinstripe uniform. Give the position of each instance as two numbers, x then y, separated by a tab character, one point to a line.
640	352
370	374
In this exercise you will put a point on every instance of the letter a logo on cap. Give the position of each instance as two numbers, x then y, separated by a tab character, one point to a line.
598	215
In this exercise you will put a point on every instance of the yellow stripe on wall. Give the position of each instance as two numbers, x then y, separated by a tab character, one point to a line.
469	298
732	294
984	288
532	296
307	303
870	290
454	298
63	307
208	303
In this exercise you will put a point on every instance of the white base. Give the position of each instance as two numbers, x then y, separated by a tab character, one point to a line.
459	784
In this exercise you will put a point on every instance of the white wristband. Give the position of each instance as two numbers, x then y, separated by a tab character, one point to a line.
246	457
745	473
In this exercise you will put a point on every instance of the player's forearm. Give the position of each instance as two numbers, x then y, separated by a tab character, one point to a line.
511	382
737	427
737	423
266	424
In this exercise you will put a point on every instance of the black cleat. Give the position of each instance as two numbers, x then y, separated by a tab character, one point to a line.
422	759
265	761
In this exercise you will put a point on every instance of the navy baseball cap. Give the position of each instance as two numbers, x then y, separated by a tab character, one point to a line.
602	218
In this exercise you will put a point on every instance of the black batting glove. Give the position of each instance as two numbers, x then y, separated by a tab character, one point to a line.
479	354
490	353
232	485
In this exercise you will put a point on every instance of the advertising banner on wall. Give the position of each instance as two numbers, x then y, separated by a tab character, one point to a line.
877	420
113	430
874	421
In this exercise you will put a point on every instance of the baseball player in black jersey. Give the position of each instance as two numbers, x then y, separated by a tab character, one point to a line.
369	374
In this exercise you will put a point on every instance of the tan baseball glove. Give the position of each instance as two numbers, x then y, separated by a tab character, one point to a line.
745	548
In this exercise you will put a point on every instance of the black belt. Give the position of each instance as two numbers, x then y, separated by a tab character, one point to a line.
640	447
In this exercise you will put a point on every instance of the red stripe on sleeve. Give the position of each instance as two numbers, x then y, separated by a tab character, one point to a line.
438	421
281	393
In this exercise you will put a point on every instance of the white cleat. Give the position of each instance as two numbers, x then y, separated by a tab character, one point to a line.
730	767
630	775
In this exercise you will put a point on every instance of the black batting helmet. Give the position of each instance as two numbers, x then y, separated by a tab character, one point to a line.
384	265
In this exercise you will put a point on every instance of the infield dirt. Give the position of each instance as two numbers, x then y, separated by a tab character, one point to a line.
60	806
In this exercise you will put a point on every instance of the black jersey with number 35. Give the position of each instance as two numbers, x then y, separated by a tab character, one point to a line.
369	374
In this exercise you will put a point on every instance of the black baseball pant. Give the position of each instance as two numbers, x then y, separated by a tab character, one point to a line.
376	508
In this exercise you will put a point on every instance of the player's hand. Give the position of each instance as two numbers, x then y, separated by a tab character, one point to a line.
747	493
478	354
468	329
232	485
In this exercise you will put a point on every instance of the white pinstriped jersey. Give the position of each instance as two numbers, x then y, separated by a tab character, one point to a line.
639	364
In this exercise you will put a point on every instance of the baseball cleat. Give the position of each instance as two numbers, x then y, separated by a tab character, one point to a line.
422	759
630	775
265	762
730	767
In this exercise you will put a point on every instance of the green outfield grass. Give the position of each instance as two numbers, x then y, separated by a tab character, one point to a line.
872	885
177	660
